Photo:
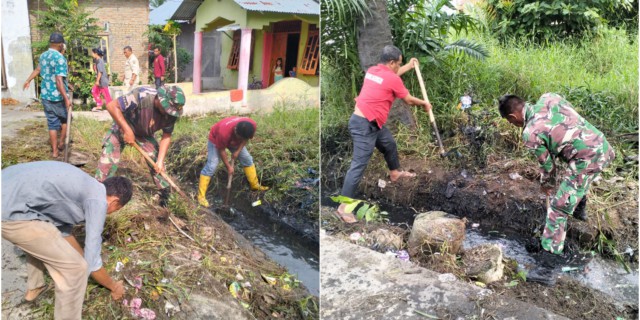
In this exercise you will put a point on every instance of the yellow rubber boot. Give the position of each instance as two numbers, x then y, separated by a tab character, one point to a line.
252	176
202	190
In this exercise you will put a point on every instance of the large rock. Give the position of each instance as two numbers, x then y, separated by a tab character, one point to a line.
435	231
484	263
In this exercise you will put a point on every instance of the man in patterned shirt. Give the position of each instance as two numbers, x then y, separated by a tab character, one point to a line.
53	91
553	129
137	116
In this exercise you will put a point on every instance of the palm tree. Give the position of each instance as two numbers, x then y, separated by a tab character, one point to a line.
156	3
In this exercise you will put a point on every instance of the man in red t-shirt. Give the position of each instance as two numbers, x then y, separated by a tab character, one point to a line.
382	84
159	68
229	133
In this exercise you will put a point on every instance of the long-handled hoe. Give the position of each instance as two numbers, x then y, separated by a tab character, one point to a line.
443	153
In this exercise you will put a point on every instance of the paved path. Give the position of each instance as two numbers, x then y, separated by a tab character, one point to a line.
358	283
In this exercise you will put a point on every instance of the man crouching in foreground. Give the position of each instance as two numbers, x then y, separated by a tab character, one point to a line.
41	202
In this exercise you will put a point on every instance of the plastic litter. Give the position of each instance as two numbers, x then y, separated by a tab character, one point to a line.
239	277
196	255
464	173
515	176
269	279
382	184
403	255
137	283
475	225
235	289
170	309
355	236
136	311
256	203
569	269
119	266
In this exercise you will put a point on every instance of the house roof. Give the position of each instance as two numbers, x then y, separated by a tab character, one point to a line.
161	14
283	6
187	10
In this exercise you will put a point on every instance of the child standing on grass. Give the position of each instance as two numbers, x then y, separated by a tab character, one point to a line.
101	86
229	133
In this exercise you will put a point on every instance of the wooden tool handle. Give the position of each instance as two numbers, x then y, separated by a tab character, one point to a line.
426	98
162	173
230	175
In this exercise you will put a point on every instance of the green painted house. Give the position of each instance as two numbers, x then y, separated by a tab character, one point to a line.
255	35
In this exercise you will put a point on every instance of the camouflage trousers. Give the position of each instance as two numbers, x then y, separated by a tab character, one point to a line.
112	145
575	184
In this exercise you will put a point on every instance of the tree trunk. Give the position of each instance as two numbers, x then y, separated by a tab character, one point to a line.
175	59
374	32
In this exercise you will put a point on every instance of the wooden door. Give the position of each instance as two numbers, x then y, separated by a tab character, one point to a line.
279	50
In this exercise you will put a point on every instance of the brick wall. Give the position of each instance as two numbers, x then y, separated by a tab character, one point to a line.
128	20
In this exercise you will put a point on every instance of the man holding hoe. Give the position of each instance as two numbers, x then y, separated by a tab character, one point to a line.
553	129
137	116
382	85
231	133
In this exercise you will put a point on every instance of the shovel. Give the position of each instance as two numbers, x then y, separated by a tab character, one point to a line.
431	117
229	180
163	174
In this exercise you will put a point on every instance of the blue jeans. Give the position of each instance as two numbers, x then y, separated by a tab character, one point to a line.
159	83
213	159
55	112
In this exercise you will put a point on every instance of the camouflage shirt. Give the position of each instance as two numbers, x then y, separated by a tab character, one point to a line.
554	129
138	109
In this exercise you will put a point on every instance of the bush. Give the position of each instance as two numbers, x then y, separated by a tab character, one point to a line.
554	19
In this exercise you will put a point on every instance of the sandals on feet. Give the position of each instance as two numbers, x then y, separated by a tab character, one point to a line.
38	293
345	217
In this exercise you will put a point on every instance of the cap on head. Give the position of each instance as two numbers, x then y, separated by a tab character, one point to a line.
172	99
56	38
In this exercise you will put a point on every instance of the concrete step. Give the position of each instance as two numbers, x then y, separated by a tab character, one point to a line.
359	283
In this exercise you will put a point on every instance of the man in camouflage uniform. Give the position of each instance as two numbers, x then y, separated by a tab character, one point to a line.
553	129
137	116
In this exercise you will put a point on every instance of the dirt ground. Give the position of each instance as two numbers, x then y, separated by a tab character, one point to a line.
177	277
496	201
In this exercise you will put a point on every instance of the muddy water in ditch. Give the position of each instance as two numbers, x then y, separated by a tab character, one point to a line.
603	275
290	250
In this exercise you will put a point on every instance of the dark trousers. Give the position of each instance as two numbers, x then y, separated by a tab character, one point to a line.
366	136
159	83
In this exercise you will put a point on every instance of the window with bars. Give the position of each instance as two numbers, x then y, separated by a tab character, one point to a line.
234	56
311	54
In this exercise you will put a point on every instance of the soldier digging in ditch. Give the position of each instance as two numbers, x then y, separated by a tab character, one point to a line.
553	129
137	116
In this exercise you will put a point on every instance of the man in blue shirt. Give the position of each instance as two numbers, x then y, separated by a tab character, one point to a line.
53	90
41	202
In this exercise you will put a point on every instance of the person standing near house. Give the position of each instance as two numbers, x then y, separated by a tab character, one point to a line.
131	68
382	85
101	87
41	203
278	72
231	133
159	67
137	116
53	91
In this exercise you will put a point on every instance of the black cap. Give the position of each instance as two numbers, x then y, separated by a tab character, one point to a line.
56	38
